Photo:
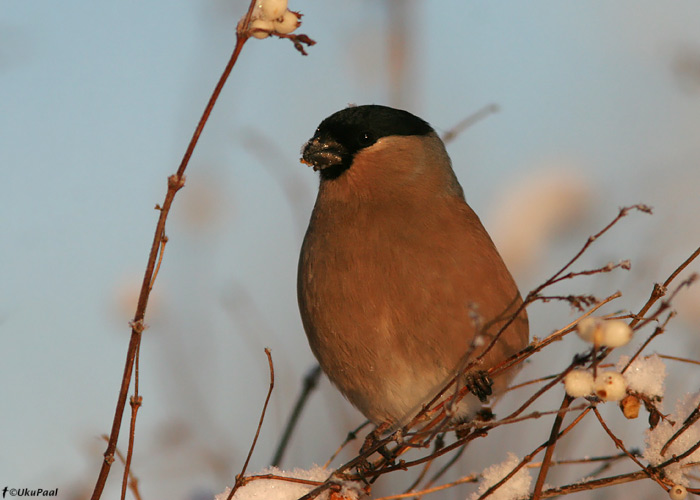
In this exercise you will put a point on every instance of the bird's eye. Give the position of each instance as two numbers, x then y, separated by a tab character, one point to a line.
366	138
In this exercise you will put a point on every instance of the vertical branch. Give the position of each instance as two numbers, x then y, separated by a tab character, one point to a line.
240	478
133	480
400	37
553	437
175	183
135	403
310	381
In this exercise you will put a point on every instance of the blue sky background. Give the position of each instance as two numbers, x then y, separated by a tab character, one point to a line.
98	102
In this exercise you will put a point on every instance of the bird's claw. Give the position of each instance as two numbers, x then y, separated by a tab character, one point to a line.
479	384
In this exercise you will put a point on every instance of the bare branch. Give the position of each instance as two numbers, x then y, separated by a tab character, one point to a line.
240	478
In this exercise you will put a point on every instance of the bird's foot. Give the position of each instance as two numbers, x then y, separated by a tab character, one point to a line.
485	415
362	468
372	440
479	384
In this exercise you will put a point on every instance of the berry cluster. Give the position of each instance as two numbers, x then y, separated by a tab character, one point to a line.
273	16
601	332
608	385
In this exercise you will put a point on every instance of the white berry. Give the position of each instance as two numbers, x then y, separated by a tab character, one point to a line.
273	9
260	28
615	333
578	383
589	329
678	492
287	23
610	386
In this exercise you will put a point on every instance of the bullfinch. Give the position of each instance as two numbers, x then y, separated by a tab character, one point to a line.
399	284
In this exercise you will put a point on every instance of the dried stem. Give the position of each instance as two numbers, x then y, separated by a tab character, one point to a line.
135	403
546	462
534	294
618	443
531	297
528	458
678	458
352	435
240	478
438	420
657	331
438	424
426	491
133	480
175	183
310	382
593	484
682	360
275	477
589	460
469	121
692	418
660	290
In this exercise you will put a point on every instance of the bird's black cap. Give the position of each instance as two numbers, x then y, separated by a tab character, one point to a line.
340	136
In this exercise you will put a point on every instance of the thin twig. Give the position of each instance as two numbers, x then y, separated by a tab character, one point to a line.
530	382
676	358
310	382
681	456
692	418
492	424
625	264
589	460
593	484
660	290
665	304
601	483
469	121
465	479
275	477
551	338
618	443
657	331
479	432
513	360
534	295
553	436
438	418
437	443
528	458
529	350
135	403
133	480
352	435
240	478
161	253
446	467
175	183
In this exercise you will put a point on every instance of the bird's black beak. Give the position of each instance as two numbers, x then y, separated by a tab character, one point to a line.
324	153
